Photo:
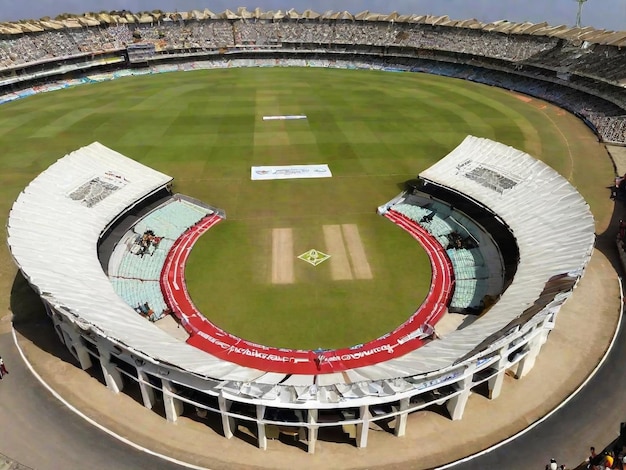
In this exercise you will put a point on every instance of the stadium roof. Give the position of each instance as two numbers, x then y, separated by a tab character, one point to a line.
53	234
551	222
55	223
588	34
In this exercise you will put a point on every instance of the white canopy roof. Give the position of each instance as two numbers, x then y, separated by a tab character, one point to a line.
53	239
550	220
55	224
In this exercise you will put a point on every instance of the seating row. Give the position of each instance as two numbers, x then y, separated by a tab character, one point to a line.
171	220
471	273
465	258
136	264
147	266
144	296
468	294
440	220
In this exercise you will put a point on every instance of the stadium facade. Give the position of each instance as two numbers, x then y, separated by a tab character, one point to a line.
94	189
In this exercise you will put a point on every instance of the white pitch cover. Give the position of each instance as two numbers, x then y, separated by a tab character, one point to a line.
287	172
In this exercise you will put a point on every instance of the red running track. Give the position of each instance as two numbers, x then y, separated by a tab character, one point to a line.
213	340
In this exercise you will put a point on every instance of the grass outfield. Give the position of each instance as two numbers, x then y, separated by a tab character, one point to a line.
374	129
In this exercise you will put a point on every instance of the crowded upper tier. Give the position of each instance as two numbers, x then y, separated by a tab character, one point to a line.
584	51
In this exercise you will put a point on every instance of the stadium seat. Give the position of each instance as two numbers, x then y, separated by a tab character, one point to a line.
136	277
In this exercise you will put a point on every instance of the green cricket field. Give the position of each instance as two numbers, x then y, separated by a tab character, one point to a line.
374	129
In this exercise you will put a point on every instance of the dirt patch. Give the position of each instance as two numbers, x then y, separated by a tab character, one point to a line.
524	98
339	264
618	155
360	265
282	256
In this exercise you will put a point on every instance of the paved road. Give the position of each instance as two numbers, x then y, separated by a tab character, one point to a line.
31	434
592	417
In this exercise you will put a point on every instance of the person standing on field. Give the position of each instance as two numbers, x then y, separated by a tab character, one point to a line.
3	368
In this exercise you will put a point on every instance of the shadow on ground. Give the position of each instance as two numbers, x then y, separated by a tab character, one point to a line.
31	321
606	241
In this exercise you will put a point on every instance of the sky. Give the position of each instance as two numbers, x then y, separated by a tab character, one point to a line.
601	14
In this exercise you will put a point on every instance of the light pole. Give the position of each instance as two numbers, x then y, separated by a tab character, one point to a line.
580	12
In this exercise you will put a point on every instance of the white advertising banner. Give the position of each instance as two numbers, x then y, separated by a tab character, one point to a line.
286	172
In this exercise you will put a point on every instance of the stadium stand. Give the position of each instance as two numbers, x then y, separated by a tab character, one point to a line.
581	69
94	321
533	59
137	261
464	251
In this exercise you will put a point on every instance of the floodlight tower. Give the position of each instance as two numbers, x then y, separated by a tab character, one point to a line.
580	12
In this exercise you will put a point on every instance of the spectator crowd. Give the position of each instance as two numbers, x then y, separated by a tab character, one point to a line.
597	70
217	33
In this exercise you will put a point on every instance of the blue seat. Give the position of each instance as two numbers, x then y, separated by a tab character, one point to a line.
136	278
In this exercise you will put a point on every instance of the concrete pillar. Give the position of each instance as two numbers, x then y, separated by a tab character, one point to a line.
399	428
260	426
112	376
228	423
363	427
456	404
534	347
58	324
173	406
73	339
546	328
49	310
63	337
313	429
147	392
495	382
302	436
